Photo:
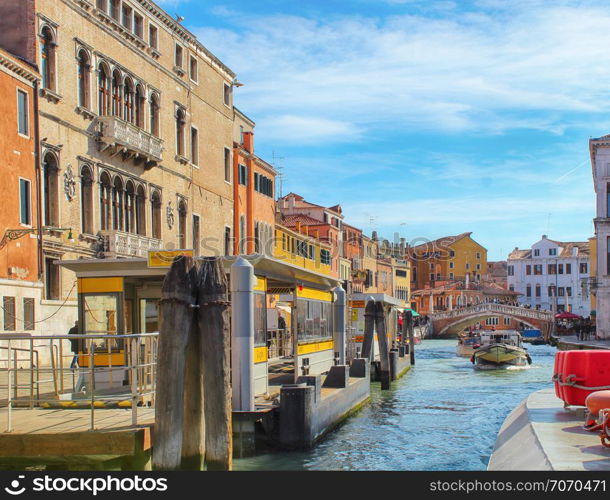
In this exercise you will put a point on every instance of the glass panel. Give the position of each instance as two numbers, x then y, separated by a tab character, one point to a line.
100	318
260	320
314	320
149	315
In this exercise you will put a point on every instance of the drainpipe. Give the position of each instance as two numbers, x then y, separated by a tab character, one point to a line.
37	171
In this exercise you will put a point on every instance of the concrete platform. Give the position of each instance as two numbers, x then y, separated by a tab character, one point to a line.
572	342
541	435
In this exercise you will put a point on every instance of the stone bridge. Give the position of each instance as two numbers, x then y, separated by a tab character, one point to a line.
446	323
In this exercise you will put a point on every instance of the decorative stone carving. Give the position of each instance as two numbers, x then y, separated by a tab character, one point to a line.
69	183
169	212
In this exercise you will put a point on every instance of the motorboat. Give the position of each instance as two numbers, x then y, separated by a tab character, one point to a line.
468	343
500	349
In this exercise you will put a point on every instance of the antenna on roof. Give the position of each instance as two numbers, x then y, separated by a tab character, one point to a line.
179	18
278	164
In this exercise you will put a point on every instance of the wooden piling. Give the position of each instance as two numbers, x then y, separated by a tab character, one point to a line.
193	437
369	330
213	320
384	348
176	312
407	319
411	340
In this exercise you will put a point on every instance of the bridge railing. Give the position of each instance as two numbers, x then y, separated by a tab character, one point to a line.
494	308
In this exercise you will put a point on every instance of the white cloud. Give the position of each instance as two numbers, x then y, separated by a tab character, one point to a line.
305	129
531	67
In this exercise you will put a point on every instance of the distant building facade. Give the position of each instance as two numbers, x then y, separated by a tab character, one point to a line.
599	150
447	259
550	275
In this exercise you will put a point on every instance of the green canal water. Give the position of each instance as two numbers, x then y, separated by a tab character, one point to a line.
443	415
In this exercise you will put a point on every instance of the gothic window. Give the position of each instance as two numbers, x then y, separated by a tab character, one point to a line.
155	203
117	204
140	211
116	94
83	79
182	224
130	207
140	102
103	90
48	54
50	190
128	100
154	114
180	125
86	196
105	195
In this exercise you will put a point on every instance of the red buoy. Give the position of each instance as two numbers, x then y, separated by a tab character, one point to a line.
558	372
596	401
584	372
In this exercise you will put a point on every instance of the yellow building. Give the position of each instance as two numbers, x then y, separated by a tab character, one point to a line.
448	258
401	279
301	250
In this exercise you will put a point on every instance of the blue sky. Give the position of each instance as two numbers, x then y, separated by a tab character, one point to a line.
425	118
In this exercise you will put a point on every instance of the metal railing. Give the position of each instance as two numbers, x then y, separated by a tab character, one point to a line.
109	371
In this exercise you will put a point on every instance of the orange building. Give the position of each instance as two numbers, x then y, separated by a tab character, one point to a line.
253	193
20	253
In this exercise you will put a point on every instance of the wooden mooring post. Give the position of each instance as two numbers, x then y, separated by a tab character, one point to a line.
384	348
177	303
216	356
193	402
369	331
411	339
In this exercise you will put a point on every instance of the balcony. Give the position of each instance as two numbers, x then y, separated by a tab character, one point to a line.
122	244
121	137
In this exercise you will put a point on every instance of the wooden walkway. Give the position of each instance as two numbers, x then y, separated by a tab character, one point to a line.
62	438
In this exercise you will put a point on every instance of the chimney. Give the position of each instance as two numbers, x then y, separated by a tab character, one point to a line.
249	142
374	235
544	236
291	202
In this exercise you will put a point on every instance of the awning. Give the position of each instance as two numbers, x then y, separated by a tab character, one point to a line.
277	272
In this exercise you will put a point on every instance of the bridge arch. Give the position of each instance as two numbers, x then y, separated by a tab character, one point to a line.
444	321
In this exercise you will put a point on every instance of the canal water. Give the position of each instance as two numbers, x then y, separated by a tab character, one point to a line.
443	415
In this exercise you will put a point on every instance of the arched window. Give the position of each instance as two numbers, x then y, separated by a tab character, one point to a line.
155	203
182	224
130	207
50	190
83	79
117	204
47	58
128	100
180	126
154	114
86	199
103	90
116	94
105	195
139	106
140	211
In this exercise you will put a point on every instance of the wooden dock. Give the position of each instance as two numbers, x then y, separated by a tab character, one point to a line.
61	439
